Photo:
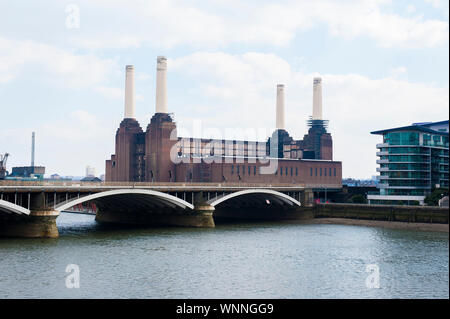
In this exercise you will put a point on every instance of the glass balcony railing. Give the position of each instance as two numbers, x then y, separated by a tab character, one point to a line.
382	153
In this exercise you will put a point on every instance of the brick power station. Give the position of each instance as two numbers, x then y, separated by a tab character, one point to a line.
159	155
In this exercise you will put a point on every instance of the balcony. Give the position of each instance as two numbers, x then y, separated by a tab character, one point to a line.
382	169
407	178
383	184
382	153
382	161
396	197
407	162
380	145
387	186
406	153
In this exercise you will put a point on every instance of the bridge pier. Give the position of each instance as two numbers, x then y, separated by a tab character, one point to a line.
307	198
194	218
200	216
203	216
39	224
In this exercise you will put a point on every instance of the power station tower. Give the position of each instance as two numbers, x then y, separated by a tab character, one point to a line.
33	139
3	159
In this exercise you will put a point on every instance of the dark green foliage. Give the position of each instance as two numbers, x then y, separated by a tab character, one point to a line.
435	196
358	199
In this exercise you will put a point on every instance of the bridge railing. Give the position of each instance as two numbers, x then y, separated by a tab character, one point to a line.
131	184
6	183
156	184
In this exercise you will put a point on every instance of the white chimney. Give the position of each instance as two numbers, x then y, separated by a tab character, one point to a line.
32	148
317	99
161	86
280	107
129	92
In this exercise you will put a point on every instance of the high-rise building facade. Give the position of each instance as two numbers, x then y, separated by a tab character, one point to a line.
413	160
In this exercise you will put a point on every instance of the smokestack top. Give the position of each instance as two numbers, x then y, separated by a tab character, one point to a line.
161	85
317	99
280	107
32	148
161	62
129	92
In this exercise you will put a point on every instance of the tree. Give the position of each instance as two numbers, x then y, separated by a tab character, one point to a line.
358	199
435	196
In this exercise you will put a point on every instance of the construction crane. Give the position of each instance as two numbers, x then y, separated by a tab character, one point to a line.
3	159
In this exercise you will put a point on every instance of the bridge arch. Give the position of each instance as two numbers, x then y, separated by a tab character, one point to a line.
9	207
161	197
274	195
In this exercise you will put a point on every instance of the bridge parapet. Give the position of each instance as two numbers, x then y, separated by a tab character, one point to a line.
31	210
5	184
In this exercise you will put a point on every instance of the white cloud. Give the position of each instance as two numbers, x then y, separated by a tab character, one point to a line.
436	3
410	9
111	92
64	146
83	118
398	71
58	66
442	5
215	25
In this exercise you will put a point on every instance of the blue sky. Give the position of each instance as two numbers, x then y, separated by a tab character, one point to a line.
383	63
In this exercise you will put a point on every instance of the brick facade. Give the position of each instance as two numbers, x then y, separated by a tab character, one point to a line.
147	156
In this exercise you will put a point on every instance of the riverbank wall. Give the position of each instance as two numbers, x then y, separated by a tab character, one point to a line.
411	214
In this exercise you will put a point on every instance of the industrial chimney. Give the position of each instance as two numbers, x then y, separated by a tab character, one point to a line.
317	99
280	107
32	149
161	87
129	92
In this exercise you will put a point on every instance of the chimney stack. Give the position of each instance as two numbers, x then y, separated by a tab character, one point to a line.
161	86
317	99
32	148
129	92
280	107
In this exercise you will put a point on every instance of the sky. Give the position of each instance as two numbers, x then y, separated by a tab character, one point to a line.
383	63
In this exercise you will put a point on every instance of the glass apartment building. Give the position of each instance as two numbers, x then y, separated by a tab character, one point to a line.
412	161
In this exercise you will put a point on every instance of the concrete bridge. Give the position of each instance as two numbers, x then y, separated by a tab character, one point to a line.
30	209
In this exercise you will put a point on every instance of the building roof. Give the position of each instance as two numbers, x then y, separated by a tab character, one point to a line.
433	123
421	127
91	179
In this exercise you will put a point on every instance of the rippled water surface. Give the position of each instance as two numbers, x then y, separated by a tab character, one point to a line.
260	260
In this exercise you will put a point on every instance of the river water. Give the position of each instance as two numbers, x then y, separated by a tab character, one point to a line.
245	260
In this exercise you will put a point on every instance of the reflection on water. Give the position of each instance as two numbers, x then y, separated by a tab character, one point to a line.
260	260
